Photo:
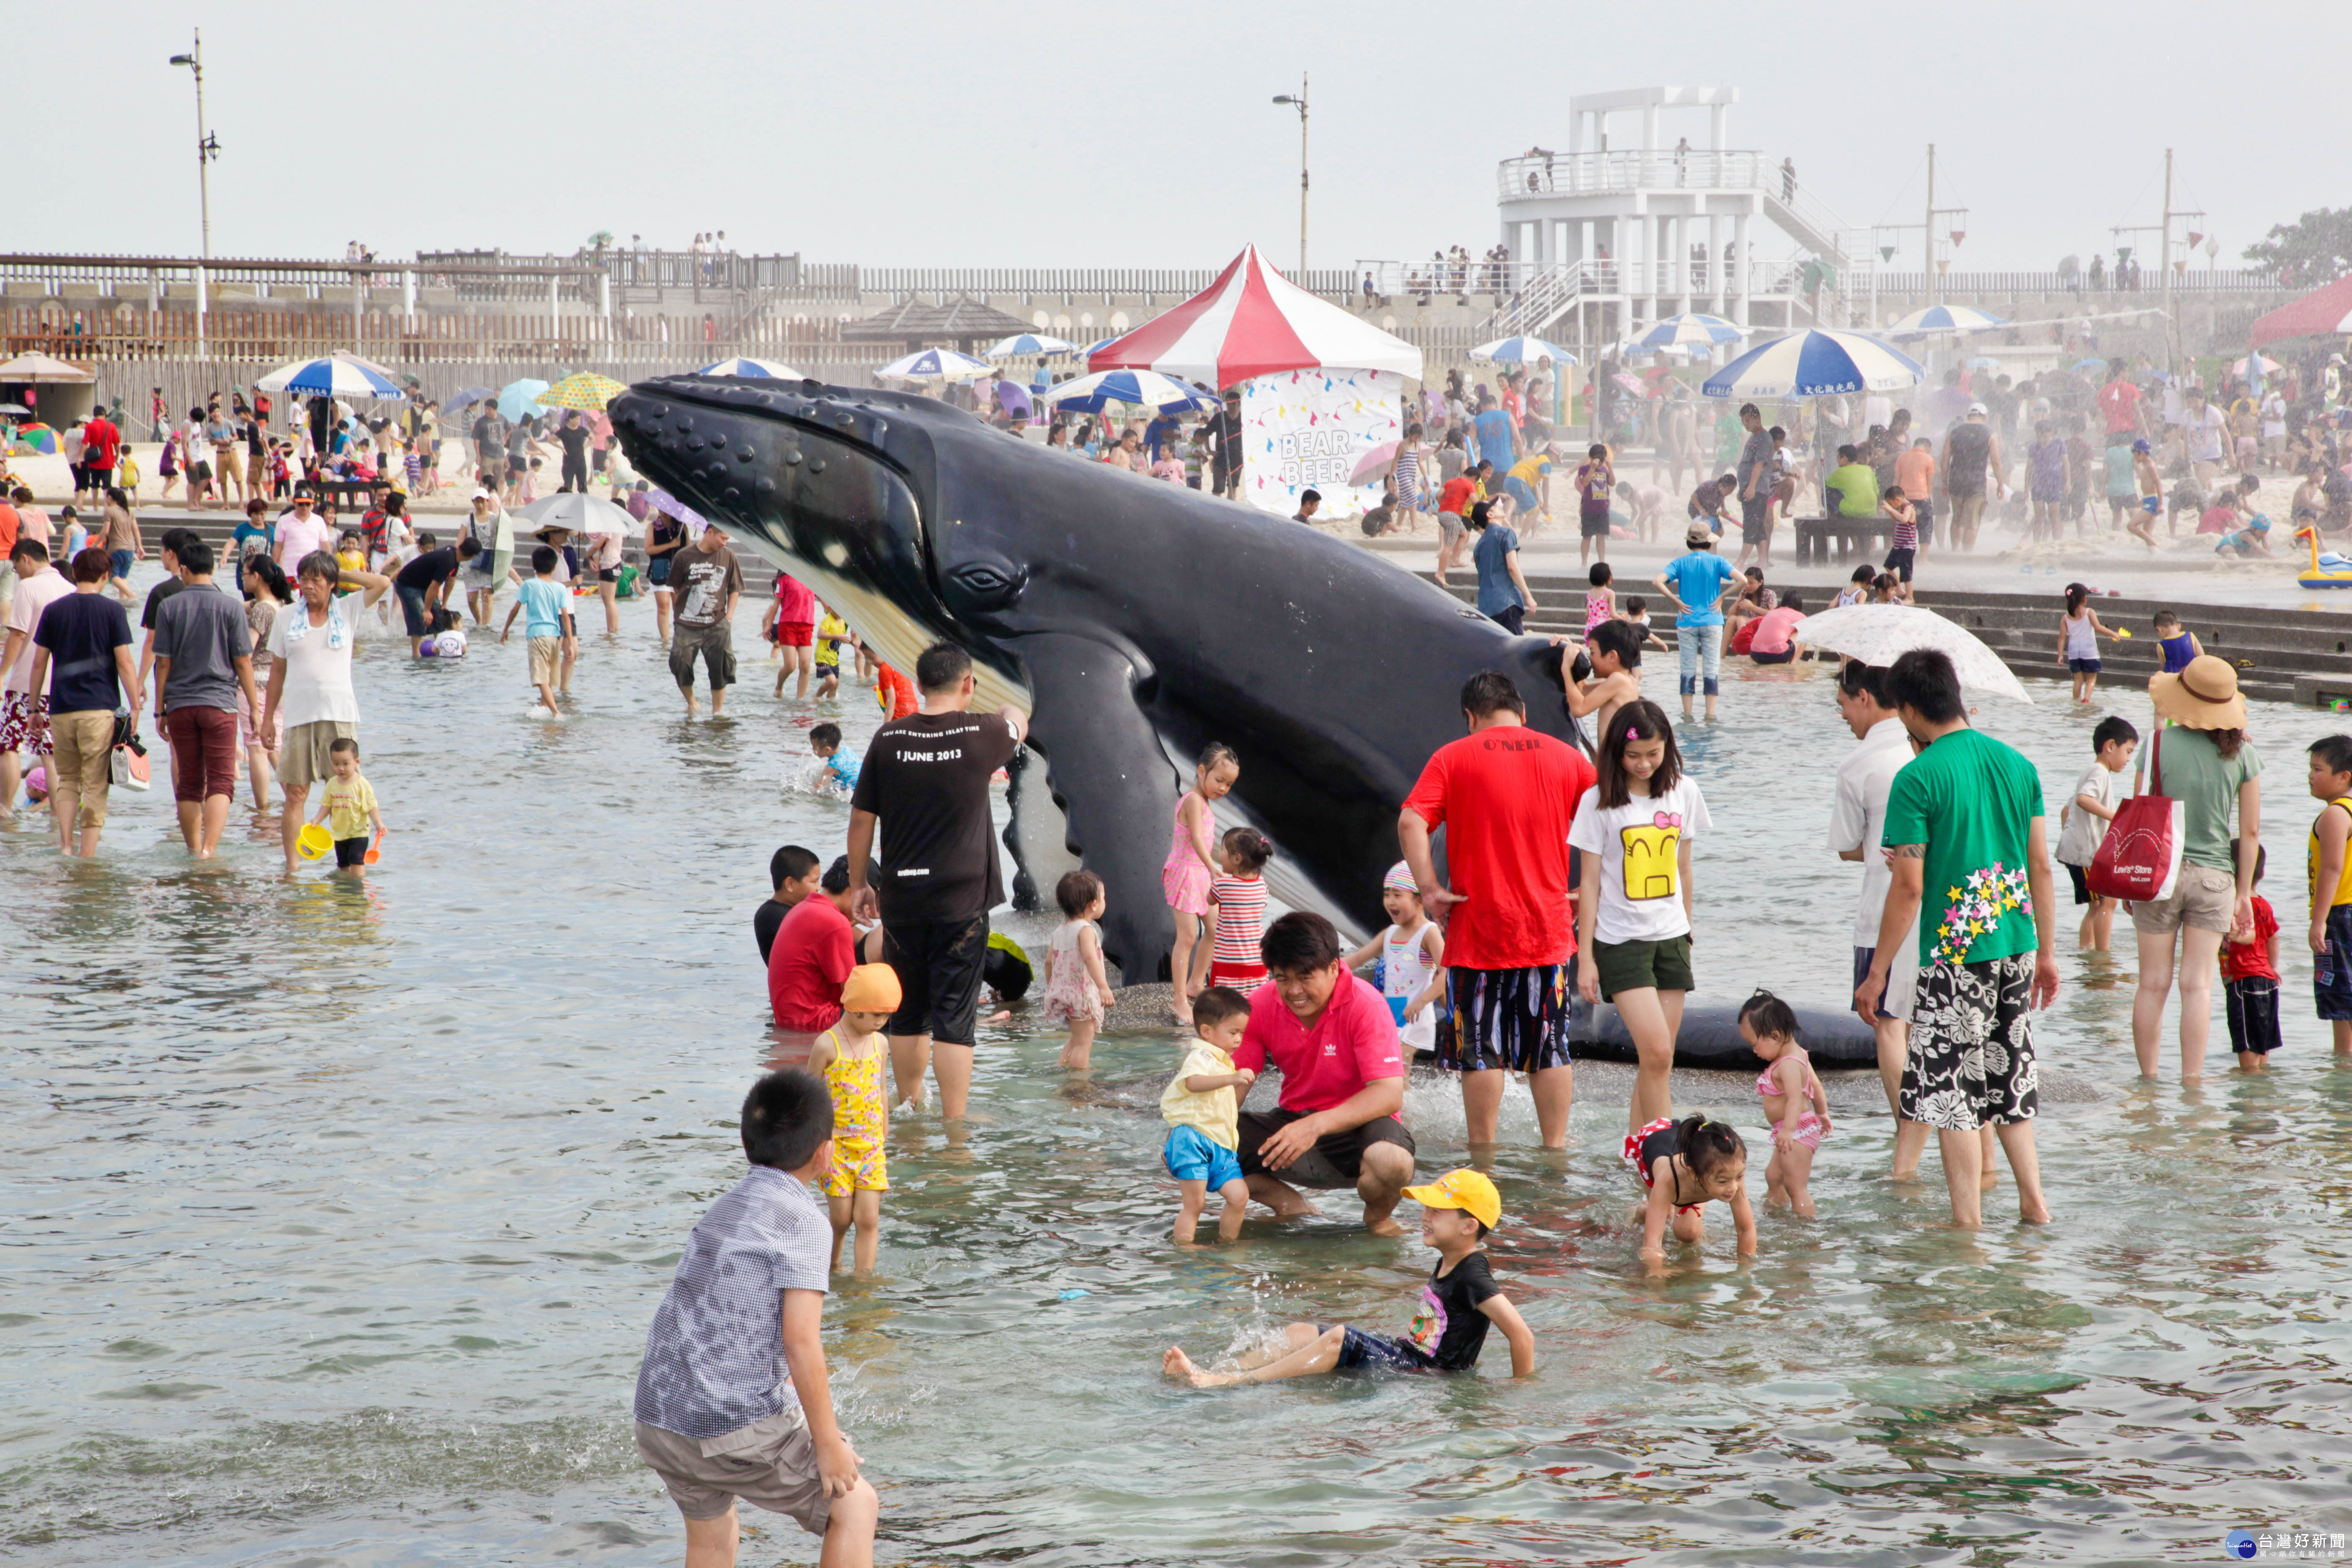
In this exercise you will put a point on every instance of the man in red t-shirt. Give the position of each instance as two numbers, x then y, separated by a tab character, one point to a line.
815	950
1334	1041
1505	795
2119	402
101	445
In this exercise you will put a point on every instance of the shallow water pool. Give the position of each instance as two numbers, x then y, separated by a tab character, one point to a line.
334	1216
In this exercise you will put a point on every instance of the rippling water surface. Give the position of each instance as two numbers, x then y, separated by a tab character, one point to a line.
334	1216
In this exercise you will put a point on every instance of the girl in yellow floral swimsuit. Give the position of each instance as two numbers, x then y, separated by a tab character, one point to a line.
851	1056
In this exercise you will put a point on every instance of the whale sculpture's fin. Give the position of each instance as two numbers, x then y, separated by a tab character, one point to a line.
1105	769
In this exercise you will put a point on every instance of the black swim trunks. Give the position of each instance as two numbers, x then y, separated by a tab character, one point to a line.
939	966
1335	1159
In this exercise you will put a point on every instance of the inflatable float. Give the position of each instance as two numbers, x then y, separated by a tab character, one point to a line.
1836	1040
2327	569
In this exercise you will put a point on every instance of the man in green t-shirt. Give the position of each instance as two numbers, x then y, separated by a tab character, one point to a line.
1854	485
1964	822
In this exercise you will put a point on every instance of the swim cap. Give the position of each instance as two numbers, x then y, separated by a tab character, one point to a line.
1399	877
872	988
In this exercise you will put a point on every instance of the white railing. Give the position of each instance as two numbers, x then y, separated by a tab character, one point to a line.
1604	173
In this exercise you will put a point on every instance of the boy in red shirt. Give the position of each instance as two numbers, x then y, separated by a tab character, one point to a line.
2250	982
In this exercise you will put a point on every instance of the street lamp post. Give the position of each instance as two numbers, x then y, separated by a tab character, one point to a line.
208	149
1299	103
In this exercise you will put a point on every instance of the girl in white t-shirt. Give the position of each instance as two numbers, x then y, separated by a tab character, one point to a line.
1412	953
1633	927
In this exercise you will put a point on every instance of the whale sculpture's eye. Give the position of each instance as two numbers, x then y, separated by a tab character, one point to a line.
981	585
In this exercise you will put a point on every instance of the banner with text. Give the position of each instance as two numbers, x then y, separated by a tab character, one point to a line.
1307	429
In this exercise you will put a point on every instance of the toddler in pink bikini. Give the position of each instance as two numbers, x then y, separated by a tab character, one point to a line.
1792	1097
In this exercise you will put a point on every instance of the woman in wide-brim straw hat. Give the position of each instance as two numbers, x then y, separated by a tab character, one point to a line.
2201	759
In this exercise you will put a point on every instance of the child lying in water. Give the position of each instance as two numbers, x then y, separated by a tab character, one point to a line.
1448	1330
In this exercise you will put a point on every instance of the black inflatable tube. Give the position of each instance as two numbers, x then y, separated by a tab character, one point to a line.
1835	1038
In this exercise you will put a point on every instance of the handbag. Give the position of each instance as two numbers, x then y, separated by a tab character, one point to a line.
2138	860
127	766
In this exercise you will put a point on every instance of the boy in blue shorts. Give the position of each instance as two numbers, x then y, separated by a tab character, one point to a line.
1203	1114
1457	1305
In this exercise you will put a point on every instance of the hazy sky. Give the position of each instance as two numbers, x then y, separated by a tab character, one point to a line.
1055	135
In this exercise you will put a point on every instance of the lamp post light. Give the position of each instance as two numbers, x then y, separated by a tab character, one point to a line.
208	149
1299	103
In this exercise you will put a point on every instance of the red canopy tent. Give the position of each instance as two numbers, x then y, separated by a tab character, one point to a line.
2322	313
1254	321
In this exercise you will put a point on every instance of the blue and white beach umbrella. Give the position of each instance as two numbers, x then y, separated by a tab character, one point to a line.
1943	319
1144	388
753	369
1024	345
329	377
1813	364
1522	351
1689	331
935	364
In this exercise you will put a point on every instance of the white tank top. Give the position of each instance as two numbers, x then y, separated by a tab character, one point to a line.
1405	972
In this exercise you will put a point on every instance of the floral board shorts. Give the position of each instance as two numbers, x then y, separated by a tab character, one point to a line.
18	713
1972	1063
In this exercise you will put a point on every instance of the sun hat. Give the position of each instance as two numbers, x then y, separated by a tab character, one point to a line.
2202	696
1976	408
1465	1190
872	988
1399	878
2141	445
1697	534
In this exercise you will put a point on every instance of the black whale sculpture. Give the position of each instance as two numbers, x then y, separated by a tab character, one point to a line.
1137	620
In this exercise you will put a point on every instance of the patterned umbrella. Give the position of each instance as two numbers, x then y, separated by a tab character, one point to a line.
586	389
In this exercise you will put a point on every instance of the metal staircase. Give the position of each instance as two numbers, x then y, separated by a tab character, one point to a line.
1543	299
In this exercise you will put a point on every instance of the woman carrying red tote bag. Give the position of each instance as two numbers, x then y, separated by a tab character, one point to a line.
2140	859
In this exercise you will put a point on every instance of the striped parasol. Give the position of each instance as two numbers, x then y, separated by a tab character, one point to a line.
1022	345
1688	331
586	390
1142	388
1937	318
330	377
1813	364
935	364
753	370
1522	351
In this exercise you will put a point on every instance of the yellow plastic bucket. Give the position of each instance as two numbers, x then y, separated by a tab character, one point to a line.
313	842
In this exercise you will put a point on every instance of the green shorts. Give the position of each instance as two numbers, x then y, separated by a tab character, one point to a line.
1631	965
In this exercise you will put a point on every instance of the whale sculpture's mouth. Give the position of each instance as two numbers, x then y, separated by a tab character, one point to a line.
822	481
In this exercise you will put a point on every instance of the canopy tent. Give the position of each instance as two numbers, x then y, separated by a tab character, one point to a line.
1254	321
39	368
2322	313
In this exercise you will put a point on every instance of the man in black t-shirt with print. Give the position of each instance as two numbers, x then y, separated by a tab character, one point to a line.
925	782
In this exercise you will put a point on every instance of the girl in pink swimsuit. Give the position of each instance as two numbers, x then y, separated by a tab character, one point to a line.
1793	1099
1184	878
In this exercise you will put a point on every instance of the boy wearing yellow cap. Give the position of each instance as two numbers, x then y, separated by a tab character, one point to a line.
851	1056
1448	1329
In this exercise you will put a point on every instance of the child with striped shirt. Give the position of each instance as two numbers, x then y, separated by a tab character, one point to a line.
1238	891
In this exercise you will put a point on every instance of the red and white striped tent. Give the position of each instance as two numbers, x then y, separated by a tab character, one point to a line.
1254	321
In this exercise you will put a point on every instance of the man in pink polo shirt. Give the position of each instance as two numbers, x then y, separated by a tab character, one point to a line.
1334	1042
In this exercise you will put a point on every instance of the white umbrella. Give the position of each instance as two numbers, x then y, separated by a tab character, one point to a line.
1880	634
580	513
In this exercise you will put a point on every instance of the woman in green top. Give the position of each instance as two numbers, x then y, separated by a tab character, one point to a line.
2203	761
